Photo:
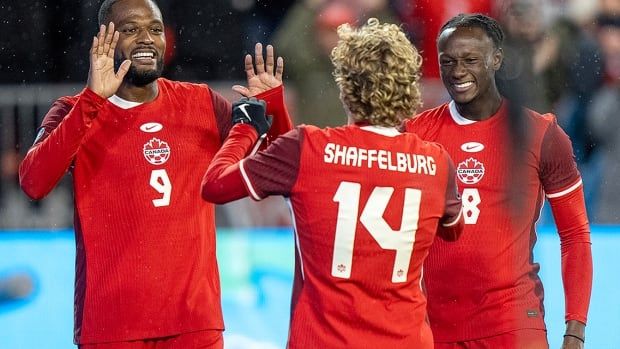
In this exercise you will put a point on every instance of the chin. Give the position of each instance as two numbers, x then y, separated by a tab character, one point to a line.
143	77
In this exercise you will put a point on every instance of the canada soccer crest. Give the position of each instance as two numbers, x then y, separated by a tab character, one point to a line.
470	171
156	151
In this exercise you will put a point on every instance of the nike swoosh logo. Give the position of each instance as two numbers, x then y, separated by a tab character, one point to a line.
472	147
245	112
151	127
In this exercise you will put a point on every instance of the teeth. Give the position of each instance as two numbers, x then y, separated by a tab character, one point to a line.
143	55
464	85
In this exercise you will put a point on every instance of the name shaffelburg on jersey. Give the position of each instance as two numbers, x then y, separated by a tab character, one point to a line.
379	158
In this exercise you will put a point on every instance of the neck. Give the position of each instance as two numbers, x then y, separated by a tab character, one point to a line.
481	109
140	94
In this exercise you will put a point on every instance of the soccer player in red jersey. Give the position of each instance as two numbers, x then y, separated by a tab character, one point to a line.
367	200
146	270
484	291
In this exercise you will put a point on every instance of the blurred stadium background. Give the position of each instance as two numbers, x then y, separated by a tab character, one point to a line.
565	52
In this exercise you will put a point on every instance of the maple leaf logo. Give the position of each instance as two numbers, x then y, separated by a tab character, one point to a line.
470	171
156	151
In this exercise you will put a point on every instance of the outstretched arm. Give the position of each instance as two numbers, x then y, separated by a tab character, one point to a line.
571	220
66	123
222	182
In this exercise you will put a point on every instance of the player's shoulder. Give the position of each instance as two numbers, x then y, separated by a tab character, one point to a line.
68	101
315	131
540	124
434	113
541	120
183	87
427	118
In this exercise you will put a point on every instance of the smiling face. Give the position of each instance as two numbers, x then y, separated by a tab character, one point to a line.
141	39
468	60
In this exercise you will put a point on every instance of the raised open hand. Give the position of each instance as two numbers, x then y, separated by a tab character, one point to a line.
101	77
263	78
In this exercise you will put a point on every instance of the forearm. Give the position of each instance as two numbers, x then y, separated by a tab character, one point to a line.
223	181
276	108
572	223
47	161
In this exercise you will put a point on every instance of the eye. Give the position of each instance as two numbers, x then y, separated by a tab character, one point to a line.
446	62
129	30
157	30
471	60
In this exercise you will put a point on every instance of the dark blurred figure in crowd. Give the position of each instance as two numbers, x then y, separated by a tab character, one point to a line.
557	65
422	19
260	19
604	120
15	287
306	38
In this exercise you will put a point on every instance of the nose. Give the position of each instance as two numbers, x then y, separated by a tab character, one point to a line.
145	37
459	69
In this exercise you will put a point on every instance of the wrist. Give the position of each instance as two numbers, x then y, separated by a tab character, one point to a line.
581	339
246	130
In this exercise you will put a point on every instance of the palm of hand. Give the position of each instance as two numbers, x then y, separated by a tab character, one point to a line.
101	78
262	82
267	75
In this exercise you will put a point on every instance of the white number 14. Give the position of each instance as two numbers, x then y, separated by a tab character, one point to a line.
401	241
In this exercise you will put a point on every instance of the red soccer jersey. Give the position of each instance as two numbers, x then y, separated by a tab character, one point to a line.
486	283
146	264
366	203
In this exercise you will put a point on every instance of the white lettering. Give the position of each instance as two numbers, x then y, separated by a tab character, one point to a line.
380	158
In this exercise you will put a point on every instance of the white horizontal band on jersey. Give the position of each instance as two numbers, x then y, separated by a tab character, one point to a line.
456	220
564	192
247	181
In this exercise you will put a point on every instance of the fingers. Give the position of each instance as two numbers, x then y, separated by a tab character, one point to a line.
108	39
249	67
279	68
105	42
101	39
113	44
242	90
269	62
258	57
93	48
123	69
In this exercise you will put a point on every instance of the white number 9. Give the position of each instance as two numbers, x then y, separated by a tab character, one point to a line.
161	183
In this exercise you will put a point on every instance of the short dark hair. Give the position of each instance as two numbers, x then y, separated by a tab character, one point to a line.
489	25
104	10
106	6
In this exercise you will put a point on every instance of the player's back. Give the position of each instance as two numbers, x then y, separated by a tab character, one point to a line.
366	205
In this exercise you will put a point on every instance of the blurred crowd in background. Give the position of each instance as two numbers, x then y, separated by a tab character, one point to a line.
563	54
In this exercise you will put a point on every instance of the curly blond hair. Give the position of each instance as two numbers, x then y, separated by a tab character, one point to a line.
377	70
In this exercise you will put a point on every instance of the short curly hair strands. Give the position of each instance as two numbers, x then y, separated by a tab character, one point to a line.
377	70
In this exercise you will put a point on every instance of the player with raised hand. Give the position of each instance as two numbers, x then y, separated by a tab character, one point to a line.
146	270
484	290
367	200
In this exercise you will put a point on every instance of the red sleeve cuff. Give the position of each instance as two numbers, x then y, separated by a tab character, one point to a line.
275	107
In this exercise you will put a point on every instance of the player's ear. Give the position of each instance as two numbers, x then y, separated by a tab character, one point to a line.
498	58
